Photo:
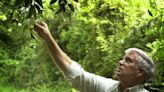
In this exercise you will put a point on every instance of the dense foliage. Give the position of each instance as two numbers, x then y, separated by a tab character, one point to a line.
94	33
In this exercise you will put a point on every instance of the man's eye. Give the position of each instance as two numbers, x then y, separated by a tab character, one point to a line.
128	60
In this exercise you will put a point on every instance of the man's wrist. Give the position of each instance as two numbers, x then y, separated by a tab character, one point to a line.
48	38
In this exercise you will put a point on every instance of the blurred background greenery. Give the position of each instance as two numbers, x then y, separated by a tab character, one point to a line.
94	33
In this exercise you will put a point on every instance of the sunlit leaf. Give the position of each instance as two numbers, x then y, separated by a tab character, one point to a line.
3	17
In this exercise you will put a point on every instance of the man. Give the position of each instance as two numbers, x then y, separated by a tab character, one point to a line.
133	70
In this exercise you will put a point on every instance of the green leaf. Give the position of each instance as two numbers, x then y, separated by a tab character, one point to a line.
32	36
32	12
40	3
38	7
3	17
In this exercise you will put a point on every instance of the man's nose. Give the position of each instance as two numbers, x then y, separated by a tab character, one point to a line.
121	62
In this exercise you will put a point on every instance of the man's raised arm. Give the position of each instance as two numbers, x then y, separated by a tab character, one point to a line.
61	60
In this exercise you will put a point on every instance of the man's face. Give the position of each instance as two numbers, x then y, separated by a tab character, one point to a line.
127	68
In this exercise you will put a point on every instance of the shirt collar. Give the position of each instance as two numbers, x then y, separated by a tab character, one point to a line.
131	89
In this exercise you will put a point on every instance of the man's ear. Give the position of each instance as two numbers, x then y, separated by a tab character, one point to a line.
141	72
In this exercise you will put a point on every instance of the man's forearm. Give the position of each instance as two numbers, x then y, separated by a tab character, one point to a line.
61	60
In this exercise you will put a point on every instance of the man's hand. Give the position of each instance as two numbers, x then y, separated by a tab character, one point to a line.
42	29
61	60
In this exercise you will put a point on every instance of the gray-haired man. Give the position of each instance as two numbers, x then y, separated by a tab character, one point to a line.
133	70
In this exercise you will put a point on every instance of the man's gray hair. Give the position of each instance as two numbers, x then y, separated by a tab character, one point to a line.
144	61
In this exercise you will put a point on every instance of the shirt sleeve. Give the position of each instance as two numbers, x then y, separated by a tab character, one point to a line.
85	81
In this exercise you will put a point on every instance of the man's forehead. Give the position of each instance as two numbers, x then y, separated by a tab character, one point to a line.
131	54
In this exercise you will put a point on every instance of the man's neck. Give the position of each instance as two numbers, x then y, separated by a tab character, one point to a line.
125	85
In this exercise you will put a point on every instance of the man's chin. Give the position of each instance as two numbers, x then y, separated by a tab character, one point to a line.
118	75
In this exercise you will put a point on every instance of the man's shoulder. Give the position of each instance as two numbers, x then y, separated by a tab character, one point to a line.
107	80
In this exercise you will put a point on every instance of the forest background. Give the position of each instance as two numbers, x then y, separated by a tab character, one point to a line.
94	33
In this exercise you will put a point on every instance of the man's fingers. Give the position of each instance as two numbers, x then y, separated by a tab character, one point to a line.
41	23
37	26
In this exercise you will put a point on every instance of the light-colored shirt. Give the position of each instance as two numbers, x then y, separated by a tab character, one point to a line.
89	82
